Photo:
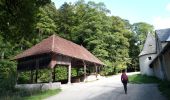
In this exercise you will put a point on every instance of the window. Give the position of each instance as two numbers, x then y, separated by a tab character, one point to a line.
149	58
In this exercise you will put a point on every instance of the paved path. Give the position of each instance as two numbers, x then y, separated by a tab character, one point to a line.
108	89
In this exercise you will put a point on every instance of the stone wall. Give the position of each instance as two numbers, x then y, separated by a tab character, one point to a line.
39	86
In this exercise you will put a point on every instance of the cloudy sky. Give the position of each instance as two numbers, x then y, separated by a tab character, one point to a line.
155	12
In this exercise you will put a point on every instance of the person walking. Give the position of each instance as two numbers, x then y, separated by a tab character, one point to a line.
124	79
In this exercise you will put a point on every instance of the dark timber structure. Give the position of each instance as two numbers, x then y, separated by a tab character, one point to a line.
55	51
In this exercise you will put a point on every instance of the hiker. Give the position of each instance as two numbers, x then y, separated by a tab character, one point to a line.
124	79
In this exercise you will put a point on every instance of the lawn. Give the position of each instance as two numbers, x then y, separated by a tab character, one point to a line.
41	95
164	86
139	79
28	95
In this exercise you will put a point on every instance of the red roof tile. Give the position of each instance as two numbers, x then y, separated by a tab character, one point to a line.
62	46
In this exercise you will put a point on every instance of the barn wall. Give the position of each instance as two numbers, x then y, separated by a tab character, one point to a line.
167	64
157	69
144	64
63	60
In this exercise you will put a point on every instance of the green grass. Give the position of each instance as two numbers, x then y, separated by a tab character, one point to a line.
28	95
164	86
43	94
140	79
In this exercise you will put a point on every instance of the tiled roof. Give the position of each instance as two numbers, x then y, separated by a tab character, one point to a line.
163	34
149	46
62	46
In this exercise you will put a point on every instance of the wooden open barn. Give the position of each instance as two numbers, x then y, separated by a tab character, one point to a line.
55	51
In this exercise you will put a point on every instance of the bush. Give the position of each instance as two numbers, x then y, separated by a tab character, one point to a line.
164	87
107	70
43	75
61	73
110	70
7	75
24	77
73	72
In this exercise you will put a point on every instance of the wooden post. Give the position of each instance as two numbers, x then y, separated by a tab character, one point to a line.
36	75
31	76
84	70
96	70
36	71
17	77
77	70
54	74
51	75
69	74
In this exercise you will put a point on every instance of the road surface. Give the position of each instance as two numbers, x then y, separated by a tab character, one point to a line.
109	88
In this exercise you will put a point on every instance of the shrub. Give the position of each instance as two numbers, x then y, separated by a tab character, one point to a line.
73	72
61	73
164	87
44	75
7	75
24	77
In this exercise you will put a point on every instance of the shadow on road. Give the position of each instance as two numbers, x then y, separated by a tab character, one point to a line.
135	92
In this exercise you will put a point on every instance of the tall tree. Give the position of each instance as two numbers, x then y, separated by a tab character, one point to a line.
141	30
66	20
45	24
17	19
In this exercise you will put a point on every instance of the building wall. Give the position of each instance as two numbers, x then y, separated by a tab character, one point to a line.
157	69
144	64
163	44
158	45
166	56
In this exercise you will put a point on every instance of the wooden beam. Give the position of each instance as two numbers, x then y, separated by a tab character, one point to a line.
36	75
96	69
51	75
53	61
54	74
17	74
77	70
36	71
84	70
69	73
32	74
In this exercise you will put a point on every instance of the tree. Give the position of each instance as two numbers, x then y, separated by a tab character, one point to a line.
110	38
17	19
139	33
66	20
119	44
141	30
45	22
133	54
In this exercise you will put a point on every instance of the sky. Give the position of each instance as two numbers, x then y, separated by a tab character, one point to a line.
154	12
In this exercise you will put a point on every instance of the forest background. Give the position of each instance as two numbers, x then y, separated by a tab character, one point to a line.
24	23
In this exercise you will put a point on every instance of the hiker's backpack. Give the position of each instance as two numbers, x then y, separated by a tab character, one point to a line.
124	77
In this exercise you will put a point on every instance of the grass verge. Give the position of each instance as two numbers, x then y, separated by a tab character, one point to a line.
28	95
163	86
139	79
42	95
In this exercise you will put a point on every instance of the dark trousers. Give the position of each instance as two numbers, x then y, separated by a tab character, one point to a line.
125	86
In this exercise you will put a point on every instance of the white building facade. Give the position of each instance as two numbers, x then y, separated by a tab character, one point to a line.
147	55
154	59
